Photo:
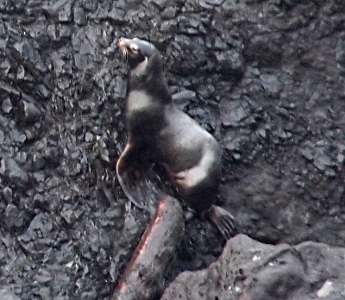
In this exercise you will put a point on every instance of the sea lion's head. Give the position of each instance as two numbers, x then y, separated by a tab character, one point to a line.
143	57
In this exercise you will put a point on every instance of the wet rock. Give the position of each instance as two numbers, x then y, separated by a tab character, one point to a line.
161	3
53	156
268	77
251	270
6	106
89	5
117	16
230	62
40	235
26	52
271	84
65	13
7	193
7	294
18	137
168	12
14	217
233	112
264	50
28	112
15	175
2	137
79	16
184	98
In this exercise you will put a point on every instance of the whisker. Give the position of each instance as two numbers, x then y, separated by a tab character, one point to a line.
125	54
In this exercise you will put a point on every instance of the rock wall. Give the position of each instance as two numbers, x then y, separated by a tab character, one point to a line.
265	77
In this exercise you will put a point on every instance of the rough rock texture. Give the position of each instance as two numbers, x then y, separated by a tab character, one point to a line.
265	77
249	270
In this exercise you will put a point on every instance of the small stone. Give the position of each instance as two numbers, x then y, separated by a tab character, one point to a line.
6	106
271	84
53	156
2	137
230	62
18	137
161	3
88	137
14	217
325	290
233	112
6	294
65	13
28	112
7	193
79	16
14	174
183	98
117	16
168	13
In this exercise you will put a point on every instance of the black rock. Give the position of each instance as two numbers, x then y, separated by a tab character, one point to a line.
184	98
40	235
7	294
230	62
15	175
6	106
233	112
117	16
79	16
28	112
251	270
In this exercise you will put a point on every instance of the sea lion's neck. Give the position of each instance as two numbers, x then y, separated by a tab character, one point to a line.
152	84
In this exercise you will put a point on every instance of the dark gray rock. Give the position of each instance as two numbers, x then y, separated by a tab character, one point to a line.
40	236
117	16
268	83
15	175
7	294
28	112
79	16
230	62
184	98
7	105
233	112
249	270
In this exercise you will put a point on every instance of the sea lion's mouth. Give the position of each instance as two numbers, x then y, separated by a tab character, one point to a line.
123	47
128	48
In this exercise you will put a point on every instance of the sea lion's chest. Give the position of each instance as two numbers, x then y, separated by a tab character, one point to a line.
139	101
144	114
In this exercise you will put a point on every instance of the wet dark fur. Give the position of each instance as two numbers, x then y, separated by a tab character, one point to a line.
161	132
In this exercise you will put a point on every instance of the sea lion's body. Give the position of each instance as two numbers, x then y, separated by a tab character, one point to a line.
161	132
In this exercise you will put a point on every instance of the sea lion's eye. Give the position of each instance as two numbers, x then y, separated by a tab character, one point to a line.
134	48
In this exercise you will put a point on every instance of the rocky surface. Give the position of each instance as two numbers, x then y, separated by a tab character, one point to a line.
249	270
265	77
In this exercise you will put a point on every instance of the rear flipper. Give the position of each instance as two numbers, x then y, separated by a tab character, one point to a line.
122	176
224	221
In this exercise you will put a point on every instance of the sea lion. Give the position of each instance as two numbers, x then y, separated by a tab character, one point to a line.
161	132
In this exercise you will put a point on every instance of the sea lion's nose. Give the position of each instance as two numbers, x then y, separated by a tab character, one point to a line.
123	42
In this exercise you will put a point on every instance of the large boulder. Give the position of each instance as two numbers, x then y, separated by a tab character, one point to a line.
249	270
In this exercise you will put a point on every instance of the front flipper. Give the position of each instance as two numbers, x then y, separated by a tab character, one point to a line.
224	221
121	172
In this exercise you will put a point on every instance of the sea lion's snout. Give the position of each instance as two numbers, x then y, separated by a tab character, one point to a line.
129	47
123	42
